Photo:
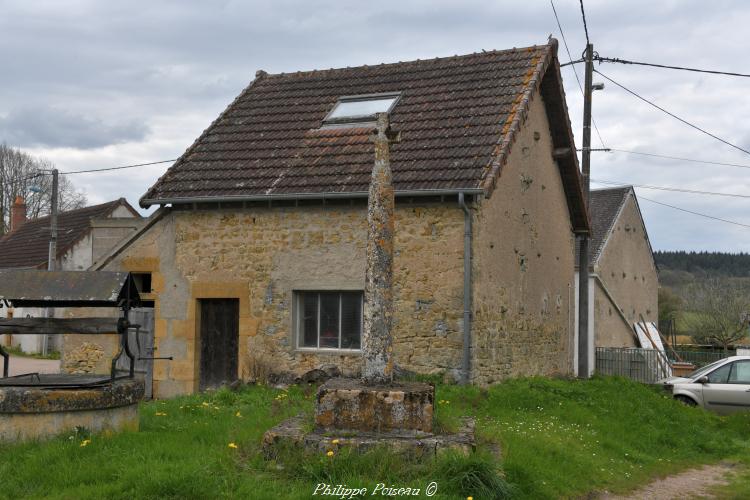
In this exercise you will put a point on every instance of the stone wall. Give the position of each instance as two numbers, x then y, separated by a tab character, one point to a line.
524	265
262	255
626	267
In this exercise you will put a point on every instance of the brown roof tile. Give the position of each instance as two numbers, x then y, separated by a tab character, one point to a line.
28	246
457	117
605	206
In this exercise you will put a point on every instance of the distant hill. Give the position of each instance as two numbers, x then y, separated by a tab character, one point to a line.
705	264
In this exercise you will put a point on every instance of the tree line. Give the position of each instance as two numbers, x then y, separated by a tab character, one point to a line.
711	263
25	175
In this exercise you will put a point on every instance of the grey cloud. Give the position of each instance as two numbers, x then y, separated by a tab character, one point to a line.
53	127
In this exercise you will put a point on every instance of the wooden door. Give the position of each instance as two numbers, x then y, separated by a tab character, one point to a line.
219	339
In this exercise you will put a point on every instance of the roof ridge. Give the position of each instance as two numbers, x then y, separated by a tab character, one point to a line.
310	72
611	222
74	210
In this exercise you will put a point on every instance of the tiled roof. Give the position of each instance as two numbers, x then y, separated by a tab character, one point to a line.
28	246
457	117
605	206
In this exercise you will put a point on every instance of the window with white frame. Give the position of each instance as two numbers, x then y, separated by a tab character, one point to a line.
329	320
360	108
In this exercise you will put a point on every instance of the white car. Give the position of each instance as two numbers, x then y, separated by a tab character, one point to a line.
722	387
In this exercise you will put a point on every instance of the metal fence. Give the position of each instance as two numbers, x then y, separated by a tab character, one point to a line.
702	358
642	365
648	365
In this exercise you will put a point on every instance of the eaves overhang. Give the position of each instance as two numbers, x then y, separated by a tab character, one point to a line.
147	202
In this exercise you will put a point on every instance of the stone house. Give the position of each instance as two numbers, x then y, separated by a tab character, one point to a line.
257	254
84	235
623	283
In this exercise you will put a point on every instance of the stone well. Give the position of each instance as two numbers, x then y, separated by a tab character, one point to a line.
38	412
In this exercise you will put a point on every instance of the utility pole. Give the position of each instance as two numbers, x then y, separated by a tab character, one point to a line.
53	224
584	335
52	258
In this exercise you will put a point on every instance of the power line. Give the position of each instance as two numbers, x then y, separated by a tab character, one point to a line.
695	70
674	189
117	168
672	114
585	28
692	160
694	213
580	87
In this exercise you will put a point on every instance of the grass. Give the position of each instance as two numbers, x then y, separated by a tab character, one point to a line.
558	438
16	351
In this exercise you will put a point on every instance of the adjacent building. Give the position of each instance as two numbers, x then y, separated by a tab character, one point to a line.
83	236
623	283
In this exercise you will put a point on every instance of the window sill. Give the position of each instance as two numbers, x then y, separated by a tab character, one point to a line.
335	352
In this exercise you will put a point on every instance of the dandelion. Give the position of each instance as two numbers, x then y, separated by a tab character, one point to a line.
335	441
232	445
330	453
85	443
237	414
469	498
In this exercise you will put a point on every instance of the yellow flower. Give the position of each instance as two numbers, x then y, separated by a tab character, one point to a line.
237	414
205	404
330	453
335	441
85	442
160	414
233	446
469	498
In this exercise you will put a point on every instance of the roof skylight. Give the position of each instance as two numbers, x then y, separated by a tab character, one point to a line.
361	108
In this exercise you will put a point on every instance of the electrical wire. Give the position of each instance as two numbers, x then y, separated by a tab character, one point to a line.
116	168
580	87
674	189
692	160
696	127
694	213
665	66
49	171
585	28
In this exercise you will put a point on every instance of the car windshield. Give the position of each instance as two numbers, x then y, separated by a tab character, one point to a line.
702	371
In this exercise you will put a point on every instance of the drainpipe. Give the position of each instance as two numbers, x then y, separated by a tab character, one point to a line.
466	366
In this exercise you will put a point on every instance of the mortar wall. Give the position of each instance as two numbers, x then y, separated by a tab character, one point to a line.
626	267
261	256
524	264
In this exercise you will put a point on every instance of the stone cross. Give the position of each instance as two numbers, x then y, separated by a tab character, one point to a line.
378	314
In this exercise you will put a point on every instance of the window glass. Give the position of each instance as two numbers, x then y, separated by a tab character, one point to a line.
740	373
351	320
309	333
720	375
361	108
329	320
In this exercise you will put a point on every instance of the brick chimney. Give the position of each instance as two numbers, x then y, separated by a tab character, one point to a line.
17	213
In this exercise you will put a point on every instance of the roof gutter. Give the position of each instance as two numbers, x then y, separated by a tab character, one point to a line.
146	202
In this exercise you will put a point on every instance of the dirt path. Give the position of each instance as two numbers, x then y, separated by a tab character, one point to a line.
693	483
19	364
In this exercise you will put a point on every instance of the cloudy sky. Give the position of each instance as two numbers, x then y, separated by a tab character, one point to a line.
92	84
